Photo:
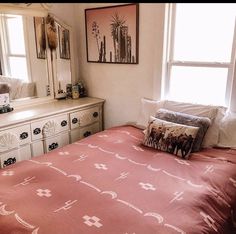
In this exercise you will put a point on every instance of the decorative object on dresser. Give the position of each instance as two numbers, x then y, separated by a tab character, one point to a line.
5	98
32	131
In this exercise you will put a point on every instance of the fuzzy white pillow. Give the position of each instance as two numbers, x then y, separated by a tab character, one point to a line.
148	108
227	134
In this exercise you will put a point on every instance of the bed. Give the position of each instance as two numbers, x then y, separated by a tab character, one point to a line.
111	183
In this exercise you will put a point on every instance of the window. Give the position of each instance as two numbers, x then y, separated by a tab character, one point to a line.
13	52
201	52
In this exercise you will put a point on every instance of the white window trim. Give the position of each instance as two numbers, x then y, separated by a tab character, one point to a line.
169	61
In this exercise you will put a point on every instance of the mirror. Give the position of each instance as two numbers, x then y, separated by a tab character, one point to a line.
22	65
29	66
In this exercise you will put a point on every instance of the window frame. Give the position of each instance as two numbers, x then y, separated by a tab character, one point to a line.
169	61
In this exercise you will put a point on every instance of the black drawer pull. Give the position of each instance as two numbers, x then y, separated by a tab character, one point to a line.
95	114
37	131
24	135
9	161
63	123
53	146
87	133
74	120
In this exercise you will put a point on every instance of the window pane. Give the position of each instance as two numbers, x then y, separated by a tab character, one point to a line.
204	32
198	84
15	30
18	68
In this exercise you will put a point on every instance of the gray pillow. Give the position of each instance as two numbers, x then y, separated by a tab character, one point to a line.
191	120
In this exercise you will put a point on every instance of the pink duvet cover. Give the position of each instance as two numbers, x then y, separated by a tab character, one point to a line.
110	183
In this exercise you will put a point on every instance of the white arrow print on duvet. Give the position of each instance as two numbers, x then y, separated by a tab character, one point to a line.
150	214
209	220
137	148
26	181
4	212
178	196
90	185
175	228
128	133
120	157
218	195
130	205
21	221
123	175
155	215
233	181
77	177
67	206
113	194
82	157
152	168
183	162
149	166
141	164
49	164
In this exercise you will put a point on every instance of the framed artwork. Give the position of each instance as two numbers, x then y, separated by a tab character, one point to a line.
64	42
112	34
40	37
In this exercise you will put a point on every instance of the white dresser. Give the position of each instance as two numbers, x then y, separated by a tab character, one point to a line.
31	131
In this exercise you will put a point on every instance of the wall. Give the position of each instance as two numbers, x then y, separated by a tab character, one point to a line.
123	85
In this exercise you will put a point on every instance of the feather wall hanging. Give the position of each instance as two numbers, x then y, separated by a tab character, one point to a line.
51	33
52	40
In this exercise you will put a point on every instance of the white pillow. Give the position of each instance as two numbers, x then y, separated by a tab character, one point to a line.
214	113
227	134
148	108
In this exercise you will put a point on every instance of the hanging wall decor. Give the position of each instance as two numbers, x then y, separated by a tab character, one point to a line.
40	37
64	42
112	34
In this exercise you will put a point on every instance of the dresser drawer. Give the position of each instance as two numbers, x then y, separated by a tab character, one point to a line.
56	142
13	137
13	156
84	117
9	158
80	133
49	127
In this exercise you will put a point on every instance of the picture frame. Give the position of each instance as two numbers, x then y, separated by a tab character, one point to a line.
40	37
64	42
112	34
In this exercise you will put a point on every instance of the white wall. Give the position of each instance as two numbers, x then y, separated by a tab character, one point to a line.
123	85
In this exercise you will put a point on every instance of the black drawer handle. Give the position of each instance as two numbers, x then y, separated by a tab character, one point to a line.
95	114
74	120
37	131
53	146
24	135
87	133
63	123
9	161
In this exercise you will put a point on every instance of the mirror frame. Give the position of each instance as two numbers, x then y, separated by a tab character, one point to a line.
40	10
33	9
53	65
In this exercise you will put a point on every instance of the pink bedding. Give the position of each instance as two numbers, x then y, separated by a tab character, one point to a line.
110	183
